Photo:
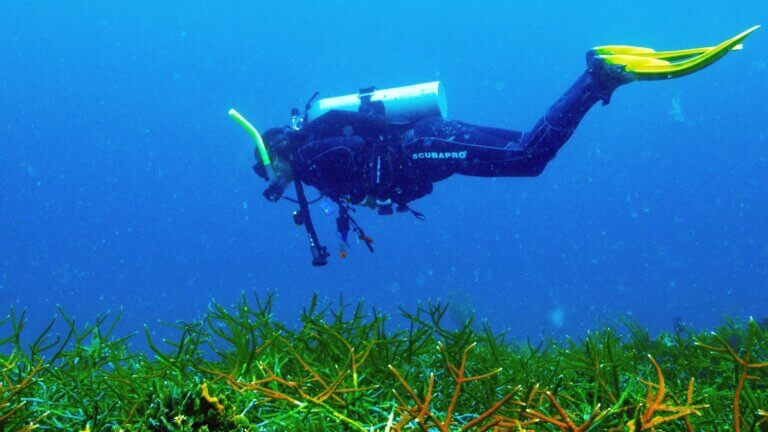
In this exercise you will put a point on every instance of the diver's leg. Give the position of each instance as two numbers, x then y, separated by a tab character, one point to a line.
444	147
439	148
608	68
557	125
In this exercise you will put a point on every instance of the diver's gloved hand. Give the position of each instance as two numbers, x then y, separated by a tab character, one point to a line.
274	192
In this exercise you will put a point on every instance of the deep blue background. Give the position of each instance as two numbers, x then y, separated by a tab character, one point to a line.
124	183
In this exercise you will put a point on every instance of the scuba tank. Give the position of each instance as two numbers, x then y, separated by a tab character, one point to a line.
408	103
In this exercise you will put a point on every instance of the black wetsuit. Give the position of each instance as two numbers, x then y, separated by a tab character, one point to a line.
354	155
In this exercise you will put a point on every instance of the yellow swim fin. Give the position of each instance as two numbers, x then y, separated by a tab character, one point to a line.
610	50
647	64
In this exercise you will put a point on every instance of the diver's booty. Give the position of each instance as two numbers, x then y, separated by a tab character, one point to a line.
607	77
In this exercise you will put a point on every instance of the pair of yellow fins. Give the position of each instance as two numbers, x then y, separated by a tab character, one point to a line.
645	64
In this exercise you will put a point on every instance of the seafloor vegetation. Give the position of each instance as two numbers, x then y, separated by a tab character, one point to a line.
345	368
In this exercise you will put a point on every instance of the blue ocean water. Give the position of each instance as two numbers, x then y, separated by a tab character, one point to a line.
123	183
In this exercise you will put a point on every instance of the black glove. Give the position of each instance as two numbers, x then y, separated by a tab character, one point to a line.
274	192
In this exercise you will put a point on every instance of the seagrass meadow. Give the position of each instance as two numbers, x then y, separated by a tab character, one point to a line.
347	367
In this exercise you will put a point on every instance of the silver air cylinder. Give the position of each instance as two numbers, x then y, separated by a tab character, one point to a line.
409	103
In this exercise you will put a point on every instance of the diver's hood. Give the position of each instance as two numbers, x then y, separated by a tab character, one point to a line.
274	139
260	169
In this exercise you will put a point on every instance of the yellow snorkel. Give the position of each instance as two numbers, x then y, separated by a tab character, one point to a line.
263	154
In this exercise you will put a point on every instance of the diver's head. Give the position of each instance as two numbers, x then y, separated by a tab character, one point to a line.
277	142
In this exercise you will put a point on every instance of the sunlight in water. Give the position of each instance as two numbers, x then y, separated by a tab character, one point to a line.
557	317
676	110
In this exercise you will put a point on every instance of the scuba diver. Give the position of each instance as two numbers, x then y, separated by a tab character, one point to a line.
386	148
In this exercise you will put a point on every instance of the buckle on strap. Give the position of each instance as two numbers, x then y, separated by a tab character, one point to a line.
366	105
